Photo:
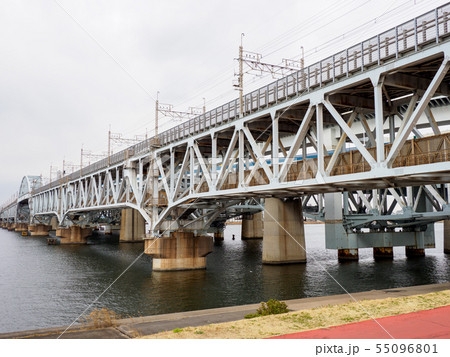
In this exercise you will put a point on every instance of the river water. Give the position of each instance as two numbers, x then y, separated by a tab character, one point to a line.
44	286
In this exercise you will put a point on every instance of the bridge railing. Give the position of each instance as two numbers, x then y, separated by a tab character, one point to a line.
425	30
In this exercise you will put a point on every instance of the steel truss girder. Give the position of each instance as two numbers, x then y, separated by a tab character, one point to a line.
413	208
126	184
379	167
117	187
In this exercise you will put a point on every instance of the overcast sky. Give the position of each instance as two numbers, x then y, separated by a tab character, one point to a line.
69	69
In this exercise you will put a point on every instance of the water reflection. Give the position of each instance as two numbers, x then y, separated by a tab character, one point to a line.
275	277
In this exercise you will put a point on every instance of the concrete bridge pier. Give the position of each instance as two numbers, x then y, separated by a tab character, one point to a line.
54	223
219	236
21	227
284	235
383	253
335	235
11	226
348	255
39	230
252	226
414	252
132	226
447	236
179	251
73	234
425	240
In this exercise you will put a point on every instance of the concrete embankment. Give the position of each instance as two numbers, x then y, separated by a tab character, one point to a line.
140	326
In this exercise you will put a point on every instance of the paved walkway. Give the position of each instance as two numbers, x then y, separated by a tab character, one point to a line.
427	324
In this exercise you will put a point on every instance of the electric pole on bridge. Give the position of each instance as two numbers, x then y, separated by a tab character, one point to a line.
253	60
89	155
166	110
241	77
118	138
109	145
156	113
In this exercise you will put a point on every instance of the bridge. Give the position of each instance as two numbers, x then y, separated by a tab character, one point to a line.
358	140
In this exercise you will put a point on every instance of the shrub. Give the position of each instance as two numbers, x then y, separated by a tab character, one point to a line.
102	318
272	307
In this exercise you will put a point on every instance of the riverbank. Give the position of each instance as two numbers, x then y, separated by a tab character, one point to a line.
190	321
45	286
317	319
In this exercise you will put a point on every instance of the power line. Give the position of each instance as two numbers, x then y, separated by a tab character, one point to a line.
353	33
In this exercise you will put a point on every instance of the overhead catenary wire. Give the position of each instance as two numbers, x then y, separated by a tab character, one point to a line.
345	40
208	86
226	74
356	32
347	36
311	19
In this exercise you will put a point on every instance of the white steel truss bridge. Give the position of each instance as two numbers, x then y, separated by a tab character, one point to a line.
370	121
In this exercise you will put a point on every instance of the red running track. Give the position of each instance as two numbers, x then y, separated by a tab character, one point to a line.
427	324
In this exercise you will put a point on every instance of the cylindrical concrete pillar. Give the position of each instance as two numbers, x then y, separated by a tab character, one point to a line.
258	225
39	230
284	236
54	223
252	226
219	236
247	227
11	226
73	235
132	226
180	251
21	227
78	235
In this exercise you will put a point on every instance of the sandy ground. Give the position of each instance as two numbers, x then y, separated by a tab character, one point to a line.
295	321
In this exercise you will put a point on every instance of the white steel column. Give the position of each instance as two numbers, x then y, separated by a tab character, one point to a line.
379	119
191	170
172	170
241	166
409	196
155	192
213	161
275	146
391	128
320	151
